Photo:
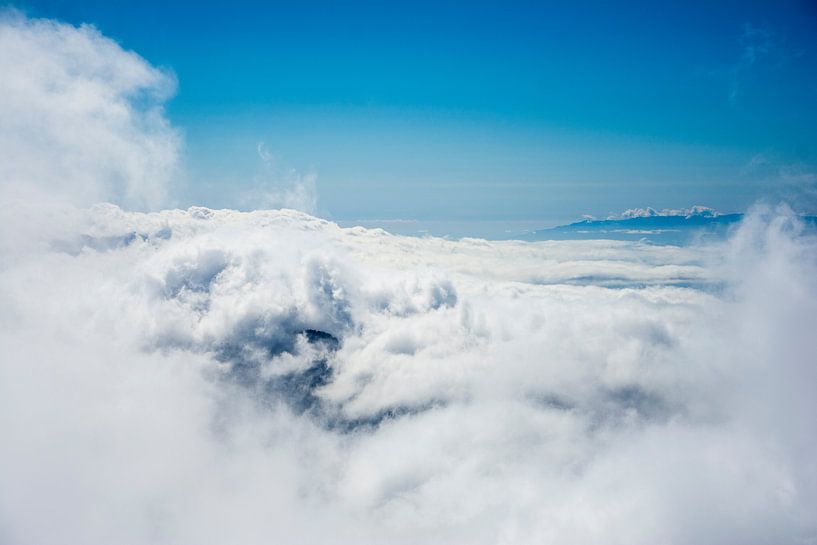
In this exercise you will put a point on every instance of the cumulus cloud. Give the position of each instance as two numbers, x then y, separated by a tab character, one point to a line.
81	119
203	376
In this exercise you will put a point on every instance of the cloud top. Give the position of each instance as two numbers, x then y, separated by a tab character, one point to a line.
271	374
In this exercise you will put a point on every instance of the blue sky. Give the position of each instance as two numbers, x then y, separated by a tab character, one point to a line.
484	111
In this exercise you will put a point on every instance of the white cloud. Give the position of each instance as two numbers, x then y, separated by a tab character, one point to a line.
81	119
171	364
277	187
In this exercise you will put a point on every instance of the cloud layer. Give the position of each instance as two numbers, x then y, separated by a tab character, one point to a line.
208	376
202	376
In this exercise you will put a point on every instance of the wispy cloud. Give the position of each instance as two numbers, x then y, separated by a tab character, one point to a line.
760	45
756	44
783	178
279	187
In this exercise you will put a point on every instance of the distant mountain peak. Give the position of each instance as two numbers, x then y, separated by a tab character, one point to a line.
649	212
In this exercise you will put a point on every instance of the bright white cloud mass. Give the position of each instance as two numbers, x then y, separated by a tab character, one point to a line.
80	119
209	376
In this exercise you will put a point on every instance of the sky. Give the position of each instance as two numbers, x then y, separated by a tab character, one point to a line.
447	111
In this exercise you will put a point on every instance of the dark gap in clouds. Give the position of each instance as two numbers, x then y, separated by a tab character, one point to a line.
611	407
550	401
342	424
623	402
297	389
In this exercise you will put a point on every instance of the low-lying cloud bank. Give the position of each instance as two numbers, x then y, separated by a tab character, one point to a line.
208	376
